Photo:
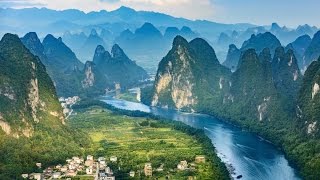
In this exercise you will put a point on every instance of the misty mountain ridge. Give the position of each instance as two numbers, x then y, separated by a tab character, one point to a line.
113	27
123	15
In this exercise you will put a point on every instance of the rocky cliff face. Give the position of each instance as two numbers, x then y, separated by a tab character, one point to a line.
31	119
27	97
309	100
60	62
190	77
299	47
89	75
187	73
177	82
93	80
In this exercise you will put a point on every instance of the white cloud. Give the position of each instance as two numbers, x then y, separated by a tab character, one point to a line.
192	9
19	3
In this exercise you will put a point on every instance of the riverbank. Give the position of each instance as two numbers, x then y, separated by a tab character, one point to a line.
282	131
292	143
251	156
288	141
137	138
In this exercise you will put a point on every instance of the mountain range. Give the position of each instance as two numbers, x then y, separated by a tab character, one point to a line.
257	42
78	31
304	48
262	86
191	76
52	21
89	45
71	77
148	45
118	68
266	92
60	61
285	34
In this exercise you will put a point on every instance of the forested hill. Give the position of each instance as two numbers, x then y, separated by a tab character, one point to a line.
31	120
266	94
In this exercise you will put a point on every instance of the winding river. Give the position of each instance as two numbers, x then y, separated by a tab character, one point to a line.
244	153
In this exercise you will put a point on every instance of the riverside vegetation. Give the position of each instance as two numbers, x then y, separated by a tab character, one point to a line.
34	130
266	95
137	138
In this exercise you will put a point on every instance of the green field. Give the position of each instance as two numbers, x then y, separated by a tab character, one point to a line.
136	141
128	96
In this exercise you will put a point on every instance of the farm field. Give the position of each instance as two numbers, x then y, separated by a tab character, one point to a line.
136	141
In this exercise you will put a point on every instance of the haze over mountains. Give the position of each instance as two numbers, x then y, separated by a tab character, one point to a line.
82	32
52	21
304	48
269	85
71	77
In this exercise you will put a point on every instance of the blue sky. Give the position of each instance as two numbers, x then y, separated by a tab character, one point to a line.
286	12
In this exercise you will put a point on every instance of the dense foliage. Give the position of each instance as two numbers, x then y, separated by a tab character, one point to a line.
309	102
299	47
152	127
258	42
261	41
232	58
313	51
262	96
117	67
72	78
30	109
61	63
49	146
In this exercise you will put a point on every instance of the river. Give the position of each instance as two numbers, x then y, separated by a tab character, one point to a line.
243	152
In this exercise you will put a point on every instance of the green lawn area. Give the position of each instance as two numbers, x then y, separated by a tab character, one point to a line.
128	96
136	141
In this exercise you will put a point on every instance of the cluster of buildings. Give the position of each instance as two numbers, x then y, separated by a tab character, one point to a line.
76	167
182	166
104	172
66	104
98	168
